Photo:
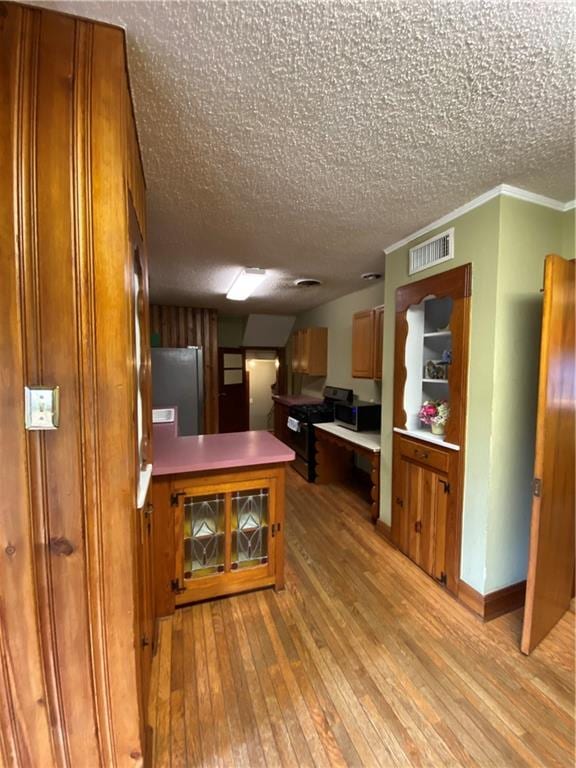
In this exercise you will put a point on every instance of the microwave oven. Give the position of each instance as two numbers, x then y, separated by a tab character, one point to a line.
359	416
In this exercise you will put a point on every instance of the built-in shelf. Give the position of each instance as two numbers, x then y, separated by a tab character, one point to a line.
424	434
435	381
437	334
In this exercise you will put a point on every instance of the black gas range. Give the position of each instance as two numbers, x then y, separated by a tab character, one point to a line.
301	428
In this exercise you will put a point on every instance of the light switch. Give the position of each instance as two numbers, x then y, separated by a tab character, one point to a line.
41	407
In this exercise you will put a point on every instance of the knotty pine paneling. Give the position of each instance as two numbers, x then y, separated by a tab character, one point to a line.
69	643
190	327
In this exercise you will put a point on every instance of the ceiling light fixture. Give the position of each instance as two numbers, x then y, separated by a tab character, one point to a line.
371	276
245	283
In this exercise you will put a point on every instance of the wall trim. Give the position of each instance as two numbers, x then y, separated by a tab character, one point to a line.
384	530
501	189
495	603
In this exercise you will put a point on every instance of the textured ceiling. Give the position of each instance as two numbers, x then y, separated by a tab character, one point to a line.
305	136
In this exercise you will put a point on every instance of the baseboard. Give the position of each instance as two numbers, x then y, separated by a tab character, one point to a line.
473	600
504	600
493	604
384	530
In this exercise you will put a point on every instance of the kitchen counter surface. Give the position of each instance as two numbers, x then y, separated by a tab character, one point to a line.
180	455
297	400
370	440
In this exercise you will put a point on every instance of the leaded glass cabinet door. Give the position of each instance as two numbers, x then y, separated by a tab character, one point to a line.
250	528
202	542
225	533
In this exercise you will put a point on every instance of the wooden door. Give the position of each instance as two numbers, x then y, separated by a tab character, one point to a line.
424	503
234	415
363	345
304	351
378	341
296	353
550	579
420	498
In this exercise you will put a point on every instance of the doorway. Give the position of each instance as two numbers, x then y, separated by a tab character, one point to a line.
232	390
262	368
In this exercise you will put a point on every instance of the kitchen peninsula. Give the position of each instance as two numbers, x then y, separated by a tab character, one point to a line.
218	505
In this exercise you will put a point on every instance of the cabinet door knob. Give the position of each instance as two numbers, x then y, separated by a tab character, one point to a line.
420	454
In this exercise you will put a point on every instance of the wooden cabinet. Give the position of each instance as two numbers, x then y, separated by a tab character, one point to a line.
223	534
378	341
422	495
430	363
310	351
367	339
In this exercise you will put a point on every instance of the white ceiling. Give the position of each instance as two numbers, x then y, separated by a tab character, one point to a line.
306	136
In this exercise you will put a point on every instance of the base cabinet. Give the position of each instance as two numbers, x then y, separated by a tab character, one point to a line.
281	413
424	536
424	507
226	534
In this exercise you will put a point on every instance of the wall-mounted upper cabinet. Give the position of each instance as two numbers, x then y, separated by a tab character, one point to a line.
367	336
310	351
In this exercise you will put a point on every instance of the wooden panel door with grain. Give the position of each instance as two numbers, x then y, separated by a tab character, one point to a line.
550	579
363	345
422	495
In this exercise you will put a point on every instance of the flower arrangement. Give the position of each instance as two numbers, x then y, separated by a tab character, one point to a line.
434	413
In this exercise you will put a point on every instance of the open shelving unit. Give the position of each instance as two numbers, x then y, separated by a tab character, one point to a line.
430	363
429	338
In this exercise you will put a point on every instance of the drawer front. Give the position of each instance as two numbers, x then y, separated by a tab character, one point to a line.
424	454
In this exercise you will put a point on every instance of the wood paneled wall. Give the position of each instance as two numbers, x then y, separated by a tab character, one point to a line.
69	664
190	327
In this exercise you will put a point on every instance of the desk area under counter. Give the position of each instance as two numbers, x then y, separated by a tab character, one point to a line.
218	514
334	446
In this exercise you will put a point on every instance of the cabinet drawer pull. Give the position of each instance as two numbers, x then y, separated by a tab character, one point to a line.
420	454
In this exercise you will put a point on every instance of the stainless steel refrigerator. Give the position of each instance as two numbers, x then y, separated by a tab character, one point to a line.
177	380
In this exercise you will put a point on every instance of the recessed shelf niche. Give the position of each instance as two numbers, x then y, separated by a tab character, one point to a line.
429	340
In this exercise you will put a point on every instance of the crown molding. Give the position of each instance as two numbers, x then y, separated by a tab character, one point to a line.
501	189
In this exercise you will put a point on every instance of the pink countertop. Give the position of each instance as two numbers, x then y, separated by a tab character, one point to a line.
297	400
175	455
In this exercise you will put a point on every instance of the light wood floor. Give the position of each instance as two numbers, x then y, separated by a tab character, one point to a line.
361	661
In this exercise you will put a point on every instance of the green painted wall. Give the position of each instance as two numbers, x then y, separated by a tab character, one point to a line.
527	233
337	315
569	234
506	241
476	241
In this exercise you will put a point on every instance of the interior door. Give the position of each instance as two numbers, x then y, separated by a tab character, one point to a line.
233	391
550	578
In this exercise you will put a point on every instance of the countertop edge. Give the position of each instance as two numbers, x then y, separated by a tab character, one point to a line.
159	471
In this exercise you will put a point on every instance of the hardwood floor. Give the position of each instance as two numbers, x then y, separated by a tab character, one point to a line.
361	661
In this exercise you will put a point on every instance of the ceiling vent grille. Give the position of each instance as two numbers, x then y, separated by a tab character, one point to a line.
431	252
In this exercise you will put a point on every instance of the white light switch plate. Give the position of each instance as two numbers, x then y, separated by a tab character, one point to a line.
41	407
